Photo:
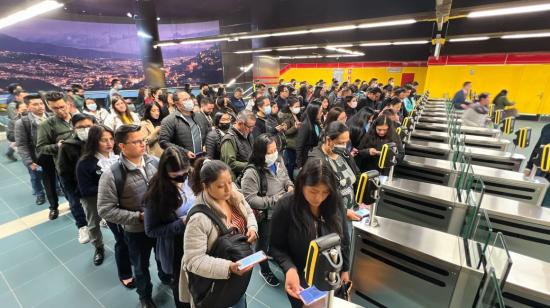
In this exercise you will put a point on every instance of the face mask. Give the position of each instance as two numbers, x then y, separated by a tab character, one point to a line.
353	104
119	86
179	178
92	107
295	110
339	149
267	110
82	133
224	126
271	158
188	105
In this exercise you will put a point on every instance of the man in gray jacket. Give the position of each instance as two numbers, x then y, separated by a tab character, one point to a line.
125	207
183	129
25	139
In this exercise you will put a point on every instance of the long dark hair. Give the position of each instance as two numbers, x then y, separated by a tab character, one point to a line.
310	114
163	195
260	149
333	115
91	147
317	171
147	114
382	120
503	92
206	171
357	125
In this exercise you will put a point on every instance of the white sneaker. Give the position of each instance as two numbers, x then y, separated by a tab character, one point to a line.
83	235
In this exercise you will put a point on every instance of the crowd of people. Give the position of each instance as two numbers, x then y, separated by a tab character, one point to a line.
476	107
185	174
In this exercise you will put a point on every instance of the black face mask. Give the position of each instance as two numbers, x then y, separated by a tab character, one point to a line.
339	151
179	178
224	126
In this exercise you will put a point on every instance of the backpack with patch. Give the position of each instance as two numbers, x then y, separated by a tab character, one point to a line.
230	245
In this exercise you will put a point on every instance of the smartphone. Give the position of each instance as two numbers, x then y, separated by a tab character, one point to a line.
311	295
200	154
252	260
363	212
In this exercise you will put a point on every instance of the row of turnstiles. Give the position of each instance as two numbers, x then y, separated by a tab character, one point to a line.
456	224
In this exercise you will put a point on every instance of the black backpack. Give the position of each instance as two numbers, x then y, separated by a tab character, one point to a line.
230	245
263	179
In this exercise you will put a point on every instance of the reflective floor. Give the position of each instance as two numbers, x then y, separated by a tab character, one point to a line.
43	265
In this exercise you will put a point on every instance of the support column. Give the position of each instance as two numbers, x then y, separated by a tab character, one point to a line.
147	33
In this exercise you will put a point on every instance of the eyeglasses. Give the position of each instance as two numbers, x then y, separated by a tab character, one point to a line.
137	142
250	127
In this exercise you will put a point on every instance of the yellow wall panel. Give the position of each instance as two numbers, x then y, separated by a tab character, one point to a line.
528	85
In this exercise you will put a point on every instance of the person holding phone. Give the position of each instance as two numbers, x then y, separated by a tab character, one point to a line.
167	201
212	183
381	131
266	165
312	210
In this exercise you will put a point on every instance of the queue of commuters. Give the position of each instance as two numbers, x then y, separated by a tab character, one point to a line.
183	175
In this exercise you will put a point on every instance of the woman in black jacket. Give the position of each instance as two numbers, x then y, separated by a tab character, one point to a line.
381	131
167	201
98	157
309	133
314	209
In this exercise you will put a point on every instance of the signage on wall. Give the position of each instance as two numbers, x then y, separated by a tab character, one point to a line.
338	74
394	70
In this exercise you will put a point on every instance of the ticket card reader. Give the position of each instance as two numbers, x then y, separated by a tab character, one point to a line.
324	264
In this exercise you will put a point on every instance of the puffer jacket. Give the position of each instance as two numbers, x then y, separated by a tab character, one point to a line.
128	212
213	143
26	140
176	131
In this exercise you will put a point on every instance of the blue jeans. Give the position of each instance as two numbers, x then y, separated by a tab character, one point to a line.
241	303
36	182
139	248
76	208
290	162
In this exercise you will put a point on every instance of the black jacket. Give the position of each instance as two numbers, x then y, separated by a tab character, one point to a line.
68	156
213	144
289	247
544	139
176	131
307	139
367	162
87	176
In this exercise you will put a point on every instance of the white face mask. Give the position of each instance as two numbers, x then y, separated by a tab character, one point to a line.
188	105
82	133
295	110
271	158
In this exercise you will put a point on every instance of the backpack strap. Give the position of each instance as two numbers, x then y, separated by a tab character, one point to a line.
119	173
203	208
263	183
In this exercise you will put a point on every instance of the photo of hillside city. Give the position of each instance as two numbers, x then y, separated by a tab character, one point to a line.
92	53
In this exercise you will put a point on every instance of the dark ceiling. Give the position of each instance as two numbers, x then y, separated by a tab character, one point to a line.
249	15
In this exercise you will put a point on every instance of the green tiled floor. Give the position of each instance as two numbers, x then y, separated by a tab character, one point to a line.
45	266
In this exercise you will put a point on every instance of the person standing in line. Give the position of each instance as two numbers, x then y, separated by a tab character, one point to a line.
68	155
92	108
98	157
50	136
120	201
309	133
182	129
213	186
25	139
237	102
150	127
120	114
291	117
222	121
236	146
312	210
116	86
167	202
265	165
459	99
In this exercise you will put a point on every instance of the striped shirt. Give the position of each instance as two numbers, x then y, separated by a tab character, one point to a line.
237	221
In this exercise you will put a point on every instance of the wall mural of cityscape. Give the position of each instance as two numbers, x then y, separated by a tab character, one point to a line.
48	54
